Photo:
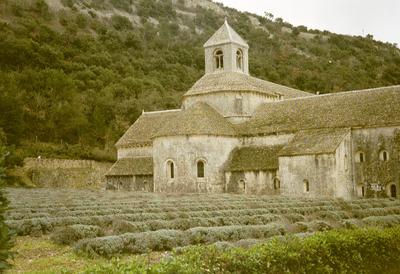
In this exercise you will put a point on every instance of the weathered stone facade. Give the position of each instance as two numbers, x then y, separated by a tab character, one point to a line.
185	152
236	133
373	169
327	173
131	183
253	182
66	173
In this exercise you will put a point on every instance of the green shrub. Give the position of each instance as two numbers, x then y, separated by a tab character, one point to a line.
120	22
300	227
162	240
294	217
319	226
134	243
120	226
342	251
382	221
71	234
201	235
5	236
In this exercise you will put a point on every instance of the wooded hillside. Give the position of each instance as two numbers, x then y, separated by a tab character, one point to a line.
75	74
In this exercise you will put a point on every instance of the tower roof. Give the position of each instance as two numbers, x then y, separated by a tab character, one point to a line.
224	35
234	81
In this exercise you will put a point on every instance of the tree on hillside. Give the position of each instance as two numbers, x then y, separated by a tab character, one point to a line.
5	239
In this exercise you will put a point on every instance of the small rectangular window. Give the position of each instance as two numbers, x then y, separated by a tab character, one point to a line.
200	169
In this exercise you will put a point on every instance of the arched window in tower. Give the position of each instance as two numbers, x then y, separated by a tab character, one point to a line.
219	59
200	169
239	59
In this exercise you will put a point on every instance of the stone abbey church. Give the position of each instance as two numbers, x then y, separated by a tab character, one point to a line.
238	134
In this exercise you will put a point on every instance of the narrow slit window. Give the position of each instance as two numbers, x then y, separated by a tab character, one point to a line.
360	157
384	156
239	59
170	170
277	184
200	169
306	185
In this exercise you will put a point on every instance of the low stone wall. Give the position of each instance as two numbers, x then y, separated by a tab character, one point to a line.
66	173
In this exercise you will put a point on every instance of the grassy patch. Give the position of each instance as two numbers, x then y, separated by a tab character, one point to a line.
40	255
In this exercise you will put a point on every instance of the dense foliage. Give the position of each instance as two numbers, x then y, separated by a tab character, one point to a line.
82	71
5	236
342	251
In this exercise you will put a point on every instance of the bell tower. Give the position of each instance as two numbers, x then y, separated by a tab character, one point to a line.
226	51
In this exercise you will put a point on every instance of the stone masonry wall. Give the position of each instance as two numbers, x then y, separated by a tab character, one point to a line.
66	173
185	152
373	170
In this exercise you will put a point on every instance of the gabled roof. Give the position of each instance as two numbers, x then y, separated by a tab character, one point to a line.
364	108
200	119
131	167
225	34
145	127
252	158
235	81
310	142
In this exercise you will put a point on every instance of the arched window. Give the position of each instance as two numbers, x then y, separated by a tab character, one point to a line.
360	157
219	59
306	185
384	156
239	59
170	169
200	169
277	183
241	186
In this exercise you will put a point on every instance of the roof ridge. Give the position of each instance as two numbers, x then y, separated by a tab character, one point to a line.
133	158
384	88
225	34
161	111
236	81
229	29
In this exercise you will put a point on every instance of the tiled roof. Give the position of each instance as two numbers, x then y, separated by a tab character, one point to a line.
320	141
225	34
252	158
131	167
200	119
236	81
145	127
365	108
